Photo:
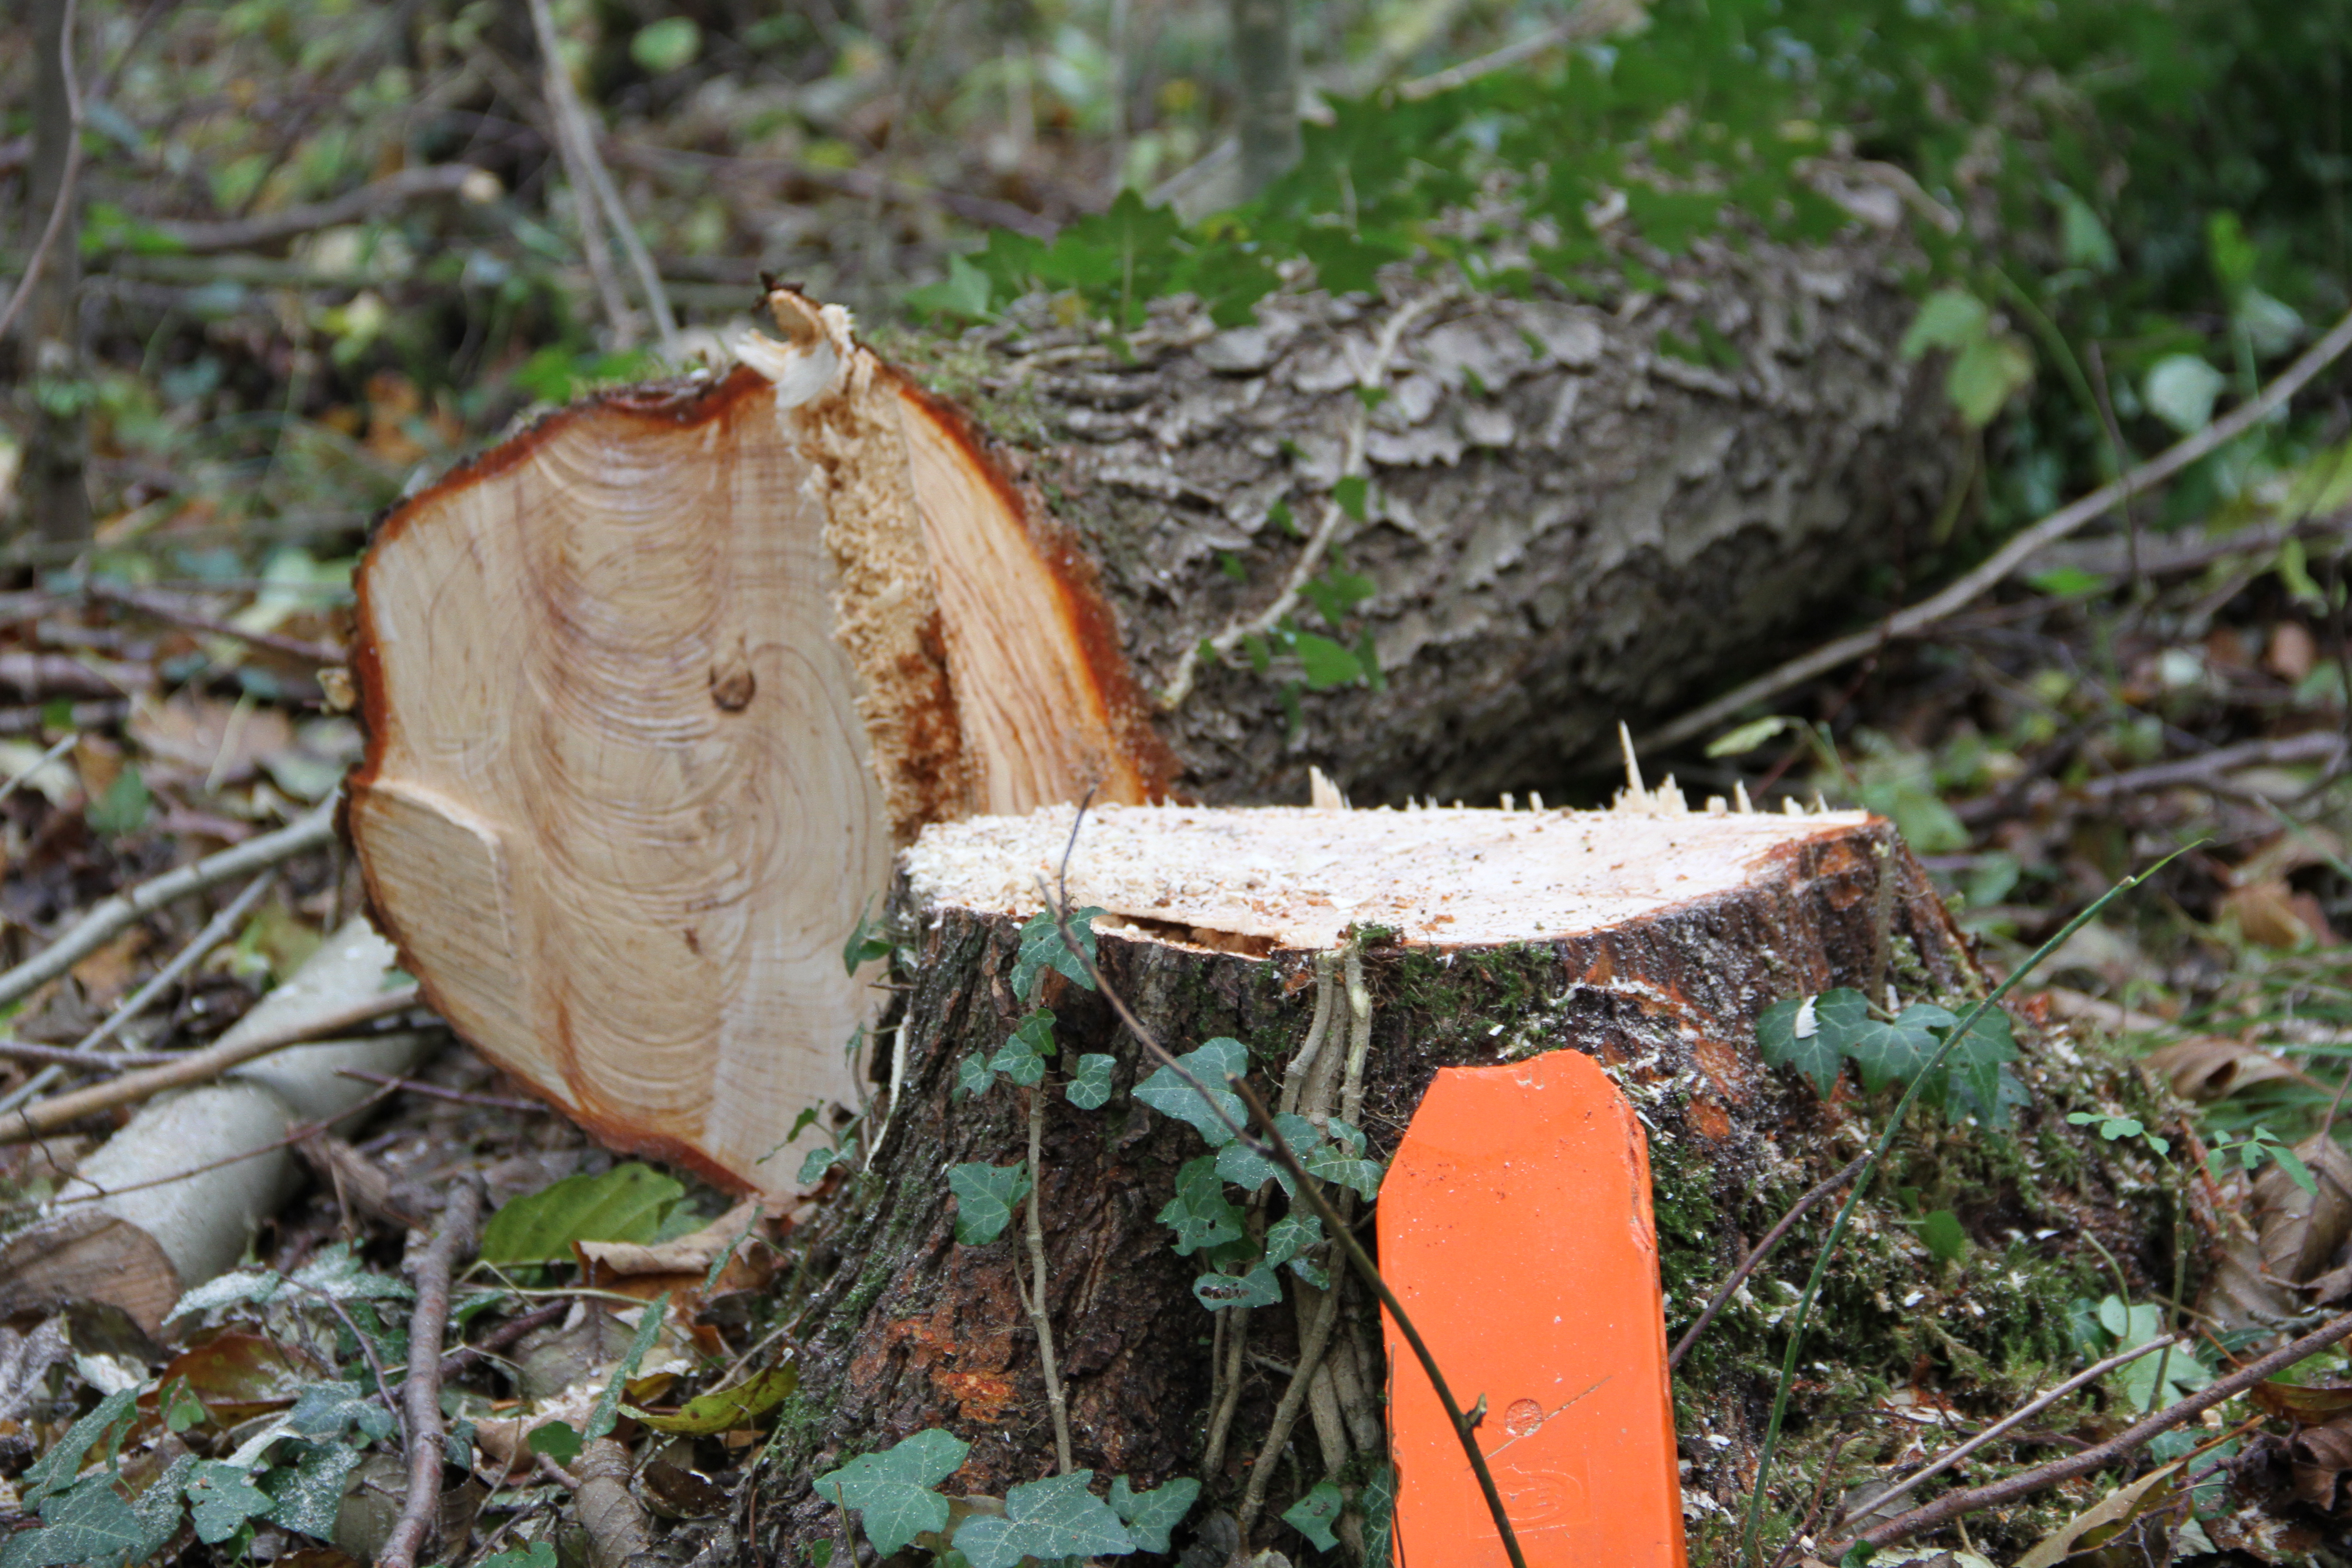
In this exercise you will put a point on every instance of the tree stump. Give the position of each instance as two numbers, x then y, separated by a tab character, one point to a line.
1649	937
654	689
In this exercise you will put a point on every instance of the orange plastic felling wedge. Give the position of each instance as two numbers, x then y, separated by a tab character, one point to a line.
1515	1225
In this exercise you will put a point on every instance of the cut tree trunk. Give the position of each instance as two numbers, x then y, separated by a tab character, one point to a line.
1648	937
654	688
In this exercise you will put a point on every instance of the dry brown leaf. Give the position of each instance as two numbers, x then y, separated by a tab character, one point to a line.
2320	1456
201	740
2293	653
2303	1402
2101	1522
105	974
2301	1230
2266	915
694	1253
2205	1068
2237	1296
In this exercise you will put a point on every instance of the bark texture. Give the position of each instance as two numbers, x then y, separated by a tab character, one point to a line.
903	1328
1566	521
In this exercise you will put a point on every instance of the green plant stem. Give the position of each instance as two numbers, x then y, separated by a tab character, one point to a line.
1748	1544
2064	353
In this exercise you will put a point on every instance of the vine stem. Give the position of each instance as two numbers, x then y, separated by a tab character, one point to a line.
1756	1255
1749	1546
1034	1299
1275	1145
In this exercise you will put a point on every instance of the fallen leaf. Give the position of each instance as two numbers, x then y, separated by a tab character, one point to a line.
2305	1402
693	1253
2206	1068
2100	1522
195	738
2302	1230
240	1375
2293	652
724	1409
2237	1296
2265	915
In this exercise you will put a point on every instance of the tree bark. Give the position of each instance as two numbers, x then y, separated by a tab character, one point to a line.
654	687
902	1327
54	487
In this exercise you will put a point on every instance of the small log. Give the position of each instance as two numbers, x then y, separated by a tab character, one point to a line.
654	688
174	1198
1649	937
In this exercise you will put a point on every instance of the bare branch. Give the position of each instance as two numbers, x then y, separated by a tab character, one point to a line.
421	1391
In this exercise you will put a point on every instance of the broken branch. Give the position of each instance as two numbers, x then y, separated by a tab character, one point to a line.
198	1066
421	1391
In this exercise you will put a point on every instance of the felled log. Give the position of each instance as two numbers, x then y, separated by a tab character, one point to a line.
654	688
1650	937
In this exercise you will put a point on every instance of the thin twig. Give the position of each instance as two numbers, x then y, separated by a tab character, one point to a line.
216	930
16	781
2017	1417
1749	1545
1033	1298
422	1388
1952	1505
585	163
178	614
1756	1255
63	202
388	194
367	1353
197	1067
1925	613
71	1059
435	1092
94	930
1276	1146
497	1339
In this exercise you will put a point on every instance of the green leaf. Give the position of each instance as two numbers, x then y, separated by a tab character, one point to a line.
1150	1516
867	941
1749	736
1950	319
1042	948
221	1499
984	1197
1342	1162
2179	389
1811	1053
1888	1053
1988	372
1336	593
1023	1058
1326	663
340	1276
2292	1164
818	1160
310	1495
541	1554
55	1470
324	1412
606	1414
558	1440
1291	1235
727	1409
88	1527
1350	492
1247	1169
124	806
2231	252
1199	1214
1377	1501
1089	1087
1211	1064
964	292
1946	1239
1313	1515
2083	240
627	1203
1044	1520
1261	1287
1977	1057
973	1074
893	1491
668	45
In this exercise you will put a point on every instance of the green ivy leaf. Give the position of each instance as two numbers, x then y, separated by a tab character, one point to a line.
671	43
221	1499
1291	1235
1341	1160
627	1203
1326	663
1336	593
1377	1501
1261	1287
965	292
323	1412
1249	1170
557	1439
817	1161
1023	1058
1150	1516
973	1076
310	1495
1199	1214
984	1197
125	806
1042	948
2179	389
1350	492
1986	373
1888	1052
1211	1064
1313	1515
1811	1053
893	1491
540	1554
1949	319
867	941
55	1470
88	1527
1089	1087
1044	1520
